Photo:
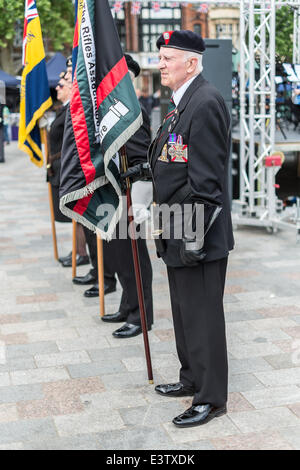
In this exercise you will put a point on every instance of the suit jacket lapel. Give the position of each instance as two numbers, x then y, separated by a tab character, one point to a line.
161	140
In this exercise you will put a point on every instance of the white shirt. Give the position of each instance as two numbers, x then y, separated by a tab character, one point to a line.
178	94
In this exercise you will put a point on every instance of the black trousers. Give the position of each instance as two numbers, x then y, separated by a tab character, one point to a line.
109	273
118	257
199	324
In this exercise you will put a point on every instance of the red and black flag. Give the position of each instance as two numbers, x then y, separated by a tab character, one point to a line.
104	113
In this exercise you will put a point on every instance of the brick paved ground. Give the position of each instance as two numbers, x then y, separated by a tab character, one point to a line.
68	384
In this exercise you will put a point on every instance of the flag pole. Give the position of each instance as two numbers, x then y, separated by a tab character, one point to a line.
100	274
137	268
74	249
50	196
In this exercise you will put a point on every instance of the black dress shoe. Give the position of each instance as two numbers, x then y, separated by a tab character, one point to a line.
94	291
65	258
85	280
115	317
80	261
198	415
175	390
128	331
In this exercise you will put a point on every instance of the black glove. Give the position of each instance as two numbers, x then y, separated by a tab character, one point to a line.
191	253
142	171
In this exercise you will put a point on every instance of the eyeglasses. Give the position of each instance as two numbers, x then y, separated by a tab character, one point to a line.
60	85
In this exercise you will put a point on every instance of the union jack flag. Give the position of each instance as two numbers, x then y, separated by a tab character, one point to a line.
136	8
203	8
30	13
118	6
156	6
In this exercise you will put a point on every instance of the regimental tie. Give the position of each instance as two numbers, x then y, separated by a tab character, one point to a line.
168	118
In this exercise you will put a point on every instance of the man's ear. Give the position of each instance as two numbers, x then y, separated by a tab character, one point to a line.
193	63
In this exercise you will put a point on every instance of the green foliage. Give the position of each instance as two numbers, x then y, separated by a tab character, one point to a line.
284	33
57	20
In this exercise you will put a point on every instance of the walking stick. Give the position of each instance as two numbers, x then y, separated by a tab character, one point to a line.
50	196
100	274
74	250
137	268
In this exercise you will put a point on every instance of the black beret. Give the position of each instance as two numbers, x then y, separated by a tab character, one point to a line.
182	39
132	65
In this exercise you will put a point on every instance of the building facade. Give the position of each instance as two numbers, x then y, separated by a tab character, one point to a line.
139	32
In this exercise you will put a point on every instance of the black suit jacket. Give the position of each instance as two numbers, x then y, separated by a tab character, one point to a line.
203	121
56	135
137	146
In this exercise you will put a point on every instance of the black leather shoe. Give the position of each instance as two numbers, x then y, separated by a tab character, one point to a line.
85	280
80	261
109	288
115	317
175	390
128	331
94	291
198	415
65	258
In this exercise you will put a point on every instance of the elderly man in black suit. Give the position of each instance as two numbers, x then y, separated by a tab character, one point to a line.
189	163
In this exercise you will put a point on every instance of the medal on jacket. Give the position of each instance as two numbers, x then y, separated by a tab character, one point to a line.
164	155
178	151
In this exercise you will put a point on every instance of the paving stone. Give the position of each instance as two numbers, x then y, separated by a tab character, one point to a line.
236	402
164	360
114	354
281	361
12	446
292	436
96	368
4	380
22	350
254	364
113	399
85	423
14	393
17	364
8	413
65	358
243	382
252	441
33	376
99	342
246	350
260	420
52	335
272	397
27	430
86	442
279	377
138	438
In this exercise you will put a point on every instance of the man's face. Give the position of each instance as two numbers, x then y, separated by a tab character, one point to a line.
173	67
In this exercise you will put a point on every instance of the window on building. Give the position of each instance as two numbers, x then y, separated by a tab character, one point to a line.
197	28
120	24
152	24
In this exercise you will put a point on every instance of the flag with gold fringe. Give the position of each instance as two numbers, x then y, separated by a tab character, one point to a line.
35	92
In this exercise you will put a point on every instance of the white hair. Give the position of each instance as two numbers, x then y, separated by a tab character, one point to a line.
132	75
194	55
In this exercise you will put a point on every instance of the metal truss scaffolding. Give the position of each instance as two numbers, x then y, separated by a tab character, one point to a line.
258	201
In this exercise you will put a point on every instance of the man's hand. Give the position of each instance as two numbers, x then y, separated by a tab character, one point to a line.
138	172
192	252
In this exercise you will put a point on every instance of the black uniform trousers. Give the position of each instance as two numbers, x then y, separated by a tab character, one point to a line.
109	273
198	316
118	256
